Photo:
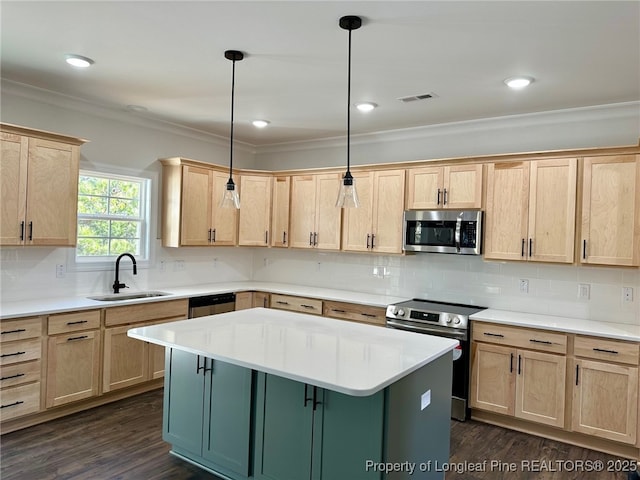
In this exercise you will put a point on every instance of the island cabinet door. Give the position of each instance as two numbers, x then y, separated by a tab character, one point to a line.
227	416
183	401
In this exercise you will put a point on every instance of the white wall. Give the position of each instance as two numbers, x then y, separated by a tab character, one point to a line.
128	141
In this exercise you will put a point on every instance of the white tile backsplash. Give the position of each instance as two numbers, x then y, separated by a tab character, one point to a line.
553	289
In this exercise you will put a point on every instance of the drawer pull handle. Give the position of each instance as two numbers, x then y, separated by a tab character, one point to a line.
280	302
338	310
13	331
306	306
488	334
81	337
17	375
77	323
545	342
604	350
370	315
12	354
12	404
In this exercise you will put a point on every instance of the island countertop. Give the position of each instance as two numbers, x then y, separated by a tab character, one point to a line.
347	357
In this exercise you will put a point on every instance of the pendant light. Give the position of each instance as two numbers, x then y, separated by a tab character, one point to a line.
348	197
230	198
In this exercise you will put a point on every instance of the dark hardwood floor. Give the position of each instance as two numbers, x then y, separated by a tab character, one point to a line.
123	441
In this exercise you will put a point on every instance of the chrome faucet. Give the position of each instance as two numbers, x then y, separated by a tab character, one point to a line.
117	285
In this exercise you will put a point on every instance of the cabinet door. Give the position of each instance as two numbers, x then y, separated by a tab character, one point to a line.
540	387
225	220
357	224
126	360
507	211
156	361
388	199
228	416
183	412
493	378
13	185
244	300
552	210
280	212
462	186
605	400
611	210
284	422
303	207
52	193
255	211
347	432
261	299
197	187
73	367
328	217
424	190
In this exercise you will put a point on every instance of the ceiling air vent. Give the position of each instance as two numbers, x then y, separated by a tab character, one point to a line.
413	98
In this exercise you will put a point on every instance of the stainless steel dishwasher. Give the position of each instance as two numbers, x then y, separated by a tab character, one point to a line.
211	304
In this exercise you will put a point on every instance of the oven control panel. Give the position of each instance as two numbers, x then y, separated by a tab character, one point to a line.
432	318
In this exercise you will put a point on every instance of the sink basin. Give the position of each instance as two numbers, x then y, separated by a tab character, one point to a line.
115	297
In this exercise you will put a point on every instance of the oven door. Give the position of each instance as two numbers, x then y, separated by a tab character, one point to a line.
460	378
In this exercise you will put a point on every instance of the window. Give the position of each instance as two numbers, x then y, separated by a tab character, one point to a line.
113	213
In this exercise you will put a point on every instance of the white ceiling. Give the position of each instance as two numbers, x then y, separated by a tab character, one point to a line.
168	57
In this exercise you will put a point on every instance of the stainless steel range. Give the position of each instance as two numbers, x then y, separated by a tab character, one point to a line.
441	319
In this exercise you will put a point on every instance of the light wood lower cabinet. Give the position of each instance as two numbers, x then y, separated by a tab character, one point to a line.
20	367
245	300
605	391
525	383
354	312
296	304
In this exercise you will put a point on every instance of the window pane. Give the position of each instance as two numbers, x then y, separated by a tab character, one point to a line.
92	205
91	247
125	189
128	208
125	229
93	185
120	245
93	228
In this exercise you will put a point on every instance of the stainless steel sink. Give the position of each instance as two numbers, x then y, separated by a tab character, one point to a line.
115	297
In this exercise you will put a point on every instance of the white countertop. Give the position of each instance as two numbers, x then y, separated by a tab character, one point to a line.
346	357
46	306
618	331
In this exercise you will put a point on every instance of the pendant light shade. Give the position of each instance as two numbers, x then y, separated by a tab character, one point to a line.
348	197
230	198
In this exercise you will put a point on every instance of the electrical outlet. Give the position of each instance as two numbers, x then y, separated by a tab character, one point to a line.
584	291
60	270
215	262
627	294
318	267
179	265
163	266
524	285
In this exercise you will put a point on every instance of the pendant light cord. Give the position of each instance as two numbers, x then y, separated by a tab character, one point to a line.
349	109
233	87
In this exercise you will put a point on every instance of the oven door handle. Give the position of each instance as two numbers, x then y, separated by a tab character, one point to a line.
457	233
426	330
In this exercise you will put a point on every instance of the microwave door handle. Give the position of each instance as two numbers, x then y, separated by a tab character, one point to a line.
457	234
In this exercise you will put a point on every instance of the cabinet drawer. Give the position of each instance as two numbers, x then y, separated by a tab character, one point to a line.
296	304
19	329
355	312
146	311
72	322
12	375
531	339
17	401
21	351
605	349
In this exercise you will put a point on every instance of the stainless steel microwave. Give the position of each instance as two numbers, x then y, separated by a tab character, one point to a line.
443	231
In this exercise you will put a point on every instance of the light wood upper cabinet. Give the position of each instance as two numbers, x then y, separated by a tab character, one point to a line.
315	220
454	186
39	181
280	211
611	210
530	210
191	215
377	224
255	210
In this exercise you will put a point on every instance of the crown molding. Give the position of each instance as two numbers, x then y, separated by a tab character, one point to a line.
115	113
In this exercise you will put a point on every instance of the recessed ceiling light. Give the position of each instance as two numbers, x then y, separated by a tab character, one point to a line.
518	82
79	61
260	123
366	106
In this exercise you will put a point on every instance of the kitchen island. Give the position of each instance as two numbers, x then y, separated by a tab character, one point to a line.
279	395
